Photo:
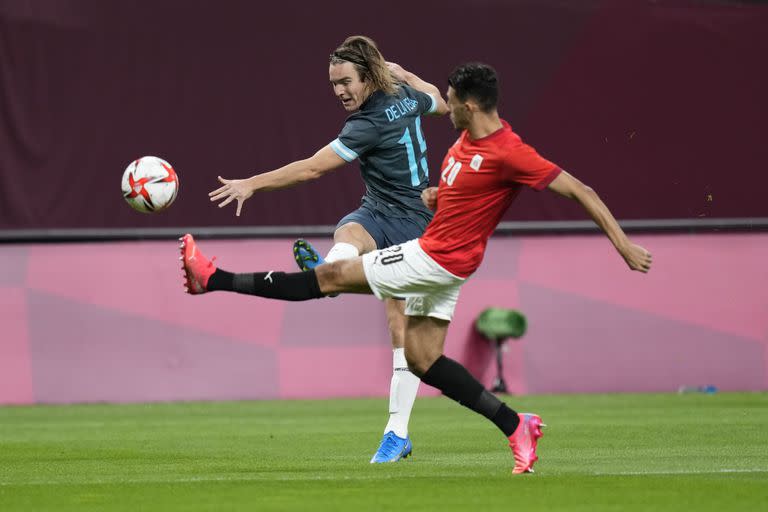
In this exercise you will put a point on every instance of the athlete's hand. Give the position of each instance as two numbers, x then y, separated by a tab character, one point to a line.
233	190
636	257
429	198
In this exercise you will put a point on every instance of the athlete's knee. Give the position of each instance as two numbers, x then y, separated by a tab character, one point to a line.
418	364
330	276
413	362
418	359
342	276
355	234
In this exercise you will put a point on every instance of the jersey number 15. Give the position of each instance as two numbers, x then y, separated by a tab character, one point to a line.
413	158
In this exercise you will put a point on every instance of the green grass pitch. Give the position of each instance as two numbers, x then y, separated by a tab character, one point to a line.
599	453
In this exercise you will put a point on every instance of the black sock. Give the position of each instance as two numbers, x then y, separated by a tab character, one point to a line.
272	285
458	384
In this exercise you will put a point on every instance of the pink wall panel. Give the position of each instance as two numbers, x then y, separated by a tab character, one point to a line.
109	322
145	279
708	280
321	372
15	370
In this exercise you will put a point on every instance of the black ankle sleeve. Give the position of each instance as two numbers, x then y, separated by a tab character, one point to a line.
221	280
295	286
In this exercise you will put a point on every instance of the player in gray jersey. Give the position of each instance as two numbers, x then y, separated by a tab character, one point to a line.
384	134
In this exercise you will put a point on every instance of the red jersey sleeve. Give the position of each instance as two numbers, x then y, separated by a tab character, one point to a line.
522	164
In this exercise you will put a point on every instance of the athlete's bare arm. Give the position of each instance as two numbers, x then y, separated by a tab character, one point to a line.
289	175
636	256
420	85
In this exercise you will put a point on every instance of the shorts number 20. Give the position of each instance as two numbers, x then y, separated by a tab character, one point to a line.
395	254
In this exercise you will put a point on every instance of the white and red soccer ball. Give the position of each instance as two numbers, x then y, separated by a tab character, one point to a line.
150	184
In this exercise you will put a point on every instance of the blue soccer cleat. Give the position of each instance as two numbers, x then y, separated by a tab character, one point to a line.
392	448
305	255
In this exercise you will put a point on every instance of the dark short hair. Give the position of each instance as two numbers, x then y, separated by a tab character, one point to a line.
477	81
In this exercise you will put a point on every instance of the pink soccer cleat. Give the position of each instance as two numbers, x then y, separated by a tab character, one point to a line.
523	442
197	268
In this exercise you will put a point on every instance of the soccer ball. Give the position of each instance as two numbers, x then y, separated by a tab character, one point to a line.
150	184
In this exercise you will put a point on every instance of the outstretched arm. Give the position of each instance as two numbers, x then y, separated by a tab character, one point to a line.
420	85
289	175
636	257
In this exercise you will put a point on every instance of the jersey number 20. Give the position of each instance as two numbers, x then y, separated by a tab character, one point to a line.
451	170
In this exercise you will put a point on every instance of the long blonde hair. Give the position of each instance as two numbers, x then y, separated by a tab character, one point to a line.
363	53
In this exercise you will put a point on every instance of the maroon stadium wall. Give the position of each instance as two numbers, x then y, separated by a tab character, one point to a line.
660	106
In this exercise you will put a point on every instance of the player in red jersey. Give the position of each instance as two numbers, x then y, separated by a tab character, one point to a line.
481	176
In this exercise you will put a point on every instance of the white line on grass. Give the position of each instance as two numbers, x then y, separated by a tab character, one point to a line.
196	479
680	472
297	477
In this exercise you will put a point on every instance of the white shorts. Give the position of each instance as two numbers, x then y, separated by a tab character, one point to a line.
407	271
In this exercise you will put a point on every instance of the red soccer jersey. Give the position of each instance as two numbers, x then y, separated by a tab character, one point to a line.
479	180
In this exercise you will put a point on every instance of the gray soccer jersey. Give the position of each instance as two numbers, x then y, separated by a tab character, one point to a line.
385	135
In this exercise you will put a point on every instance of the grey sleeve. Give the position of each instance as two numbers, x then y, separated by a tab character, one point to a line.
427	102
356	138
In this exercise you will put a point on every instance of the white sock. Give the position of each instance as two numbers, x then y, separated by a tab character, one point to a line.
402	394
341	251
